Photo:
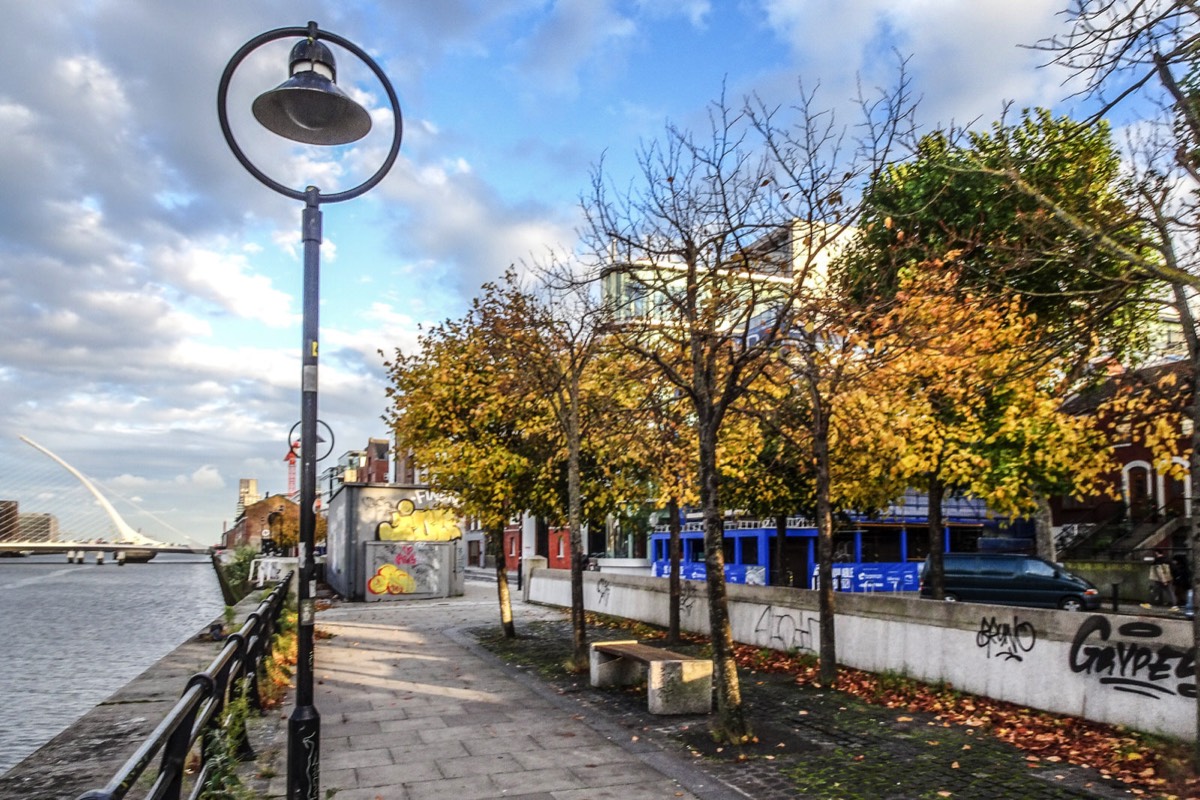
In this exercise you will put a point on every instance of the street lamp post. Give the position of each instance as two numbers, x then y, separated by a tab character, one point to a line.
309	108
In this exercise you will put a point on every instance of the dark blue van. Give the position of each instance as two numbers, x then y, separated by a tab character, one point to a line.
1012	580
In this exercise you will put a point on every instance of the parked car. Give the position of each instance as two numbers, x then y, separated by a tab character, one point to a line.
1014	580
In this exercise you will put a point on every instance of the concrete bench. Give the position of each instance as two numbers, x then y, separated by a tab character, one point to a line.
675	683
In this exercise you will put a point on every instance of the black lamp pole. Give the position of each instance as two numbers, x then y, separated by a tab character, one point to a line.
311	109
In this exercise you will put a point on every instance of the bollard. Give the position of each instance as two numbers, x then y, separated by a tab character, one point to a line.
1115	592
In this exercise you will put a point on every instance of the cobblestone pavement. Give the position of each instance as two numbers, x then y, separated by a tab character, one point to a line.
813	743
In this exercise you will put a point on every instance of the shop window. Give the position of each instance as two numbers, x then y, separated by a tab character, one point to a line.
750	551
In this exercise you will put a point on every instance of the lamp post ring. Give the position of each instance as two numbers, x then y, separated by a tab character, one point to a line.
308	32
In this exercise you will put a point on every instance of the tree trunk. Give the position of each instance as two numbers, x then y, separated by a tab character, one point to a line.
575	520
1044	528
935	578
825	595
731	726
675	589
495	537
779	578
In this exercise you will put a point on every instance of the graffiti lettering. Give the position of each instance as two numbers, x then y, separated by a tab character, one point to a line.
1132	667
391	580
787	629
687	596
603	587
407	555
1004	640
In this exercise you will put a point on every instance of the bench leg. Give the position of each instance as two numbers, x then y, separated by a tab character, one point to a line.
680	687
609	670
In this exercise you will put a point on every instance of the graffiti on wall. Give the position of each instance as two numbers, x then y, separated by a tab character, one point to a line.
405	568
687	596
603	587
1006	640
788	629
1136	663
407	523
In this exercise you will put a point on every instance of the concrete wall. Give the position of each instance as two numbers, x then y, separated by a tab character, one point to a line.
1135	671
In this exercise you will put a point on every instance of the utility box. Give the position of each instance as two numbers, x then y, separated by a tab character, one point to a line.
389	542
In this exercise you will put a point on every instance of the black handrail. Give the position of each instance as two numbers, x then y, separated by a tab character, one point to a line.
199	709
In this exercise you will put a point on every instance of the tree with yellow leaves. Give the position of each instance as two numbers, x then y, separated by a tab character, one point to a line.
978	405
457	405
553	337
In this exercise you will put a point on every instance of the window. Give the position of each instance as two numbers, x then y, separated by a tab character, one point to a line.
750	551
997	566
1039	568
560	546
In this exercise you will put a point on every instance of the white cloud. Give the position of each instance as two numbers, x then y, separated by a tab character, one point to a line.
94	87
225	279
965	58
206	477
575	33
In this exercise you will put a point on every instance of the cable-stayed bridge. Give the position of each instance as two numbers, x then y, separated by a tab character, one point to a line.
57	509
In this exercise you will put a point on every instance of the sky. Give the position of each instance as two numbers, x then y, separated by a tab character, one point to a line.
150	287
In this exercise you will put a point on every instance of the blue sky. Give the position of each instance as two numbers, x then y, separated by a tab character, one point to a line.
151	288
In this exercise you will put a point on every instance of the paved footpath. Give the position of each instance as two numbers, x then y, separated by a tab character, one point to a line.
411	709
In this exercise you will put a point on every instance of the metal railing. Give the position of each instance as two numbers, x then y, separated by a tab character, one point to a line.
199	710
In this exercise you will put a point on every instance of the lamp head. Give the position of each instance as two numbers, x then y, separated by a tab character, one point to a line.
309	107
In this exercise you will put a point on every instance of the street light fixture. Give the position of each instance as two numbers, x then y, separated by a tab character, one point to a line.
309	108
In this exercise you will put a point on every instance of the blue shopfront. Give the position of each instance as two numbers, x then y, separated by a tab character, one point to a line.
891	544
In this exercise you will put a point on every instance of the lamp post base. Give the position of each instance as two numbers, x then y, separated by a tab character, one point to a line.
304	754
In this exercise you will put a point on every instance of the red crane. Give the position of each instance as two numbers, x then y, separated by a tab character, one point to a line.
291	459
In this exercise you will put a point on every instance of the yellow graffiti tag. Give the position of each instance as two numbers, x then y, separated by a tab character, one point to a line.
390	579
410	524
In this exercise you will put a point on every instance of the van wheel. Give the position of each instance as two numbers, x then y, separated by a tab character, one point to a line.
1070	604
950	597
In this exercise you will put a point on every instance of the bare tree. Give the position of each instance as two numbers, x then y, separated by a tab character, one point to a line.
557	333
701	257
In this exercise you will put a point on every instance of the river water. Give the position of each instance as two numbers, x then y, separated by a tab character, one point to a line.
72	634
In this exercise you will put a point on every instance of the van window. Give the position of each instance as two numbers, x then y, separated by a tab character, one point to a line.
1039	568
961	565
997	566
